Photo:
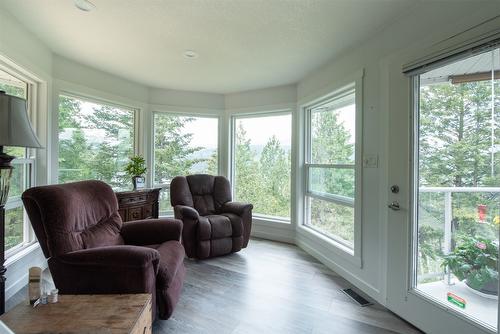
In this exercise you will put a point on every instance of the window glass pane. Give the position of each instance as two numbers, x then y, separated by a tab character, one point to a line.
333	134
335	181
165	201
13	227
12	85
184	145
95	141
459	186
262	163
17	181
332	219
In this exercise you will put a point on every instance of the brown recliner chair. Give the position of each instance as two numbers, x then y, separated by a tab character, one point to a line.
212	224
90	250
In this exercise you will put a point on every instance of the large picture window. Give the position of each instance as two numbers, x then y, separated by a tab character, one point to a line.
332	167
261	163
18	233
95	141
183	145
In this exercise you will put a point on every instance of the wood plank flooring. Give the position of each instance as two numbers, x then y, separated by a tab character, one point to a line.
272	287
269	287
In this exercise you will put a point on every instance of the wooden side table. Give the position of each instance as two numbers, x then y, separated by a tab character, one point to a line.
138	204
117	314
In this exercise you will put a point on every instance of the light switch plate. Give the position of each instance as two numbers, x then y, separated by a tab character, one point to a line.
370	161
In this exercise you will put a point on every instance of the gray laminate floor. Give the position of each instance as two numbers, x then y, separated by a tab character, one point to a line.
269	287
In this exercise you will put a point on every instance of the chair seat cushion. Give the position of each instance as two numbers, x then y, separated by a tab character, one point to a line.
236	224
171	260
221	226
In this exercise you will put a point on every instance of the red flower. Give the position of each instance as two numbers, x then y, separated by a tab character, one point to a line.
480	245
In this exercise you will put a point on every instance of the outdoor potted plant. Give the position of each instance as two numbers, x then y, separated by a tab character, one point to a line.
136	168
475	261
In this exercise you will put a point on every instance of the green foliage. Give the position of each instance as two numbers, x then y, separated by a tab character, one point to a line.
13	90
330	139
455	143
13	227
172	151
474	260
331	143
94	144
455	134
136	166
262	179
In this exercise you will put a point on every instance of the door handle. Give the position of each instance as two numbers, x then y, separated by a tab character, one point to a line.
394	206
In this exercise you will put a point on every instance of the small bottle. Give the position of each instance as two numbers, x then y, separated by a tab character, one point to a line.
53	297
44	299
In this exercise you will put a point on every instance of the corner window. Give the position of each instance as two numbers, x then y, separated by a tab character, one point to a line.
18	232
183	145
261	162
332	167
95	141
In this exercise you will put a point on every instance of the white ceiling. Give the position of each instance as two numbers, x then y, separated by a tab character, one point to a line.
242	44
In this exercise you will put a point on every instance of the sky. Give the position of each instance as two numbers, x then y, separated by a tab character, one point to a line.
259	130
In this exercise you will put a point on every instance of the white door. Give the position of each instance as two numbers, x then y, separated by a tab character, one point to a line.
444	154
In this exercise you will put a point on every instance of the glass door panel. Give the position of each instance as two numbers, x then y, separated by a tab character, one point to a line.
457	187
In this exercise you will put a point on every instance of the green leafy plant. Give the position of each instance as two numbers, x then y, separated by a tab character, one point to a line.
474	260
136	166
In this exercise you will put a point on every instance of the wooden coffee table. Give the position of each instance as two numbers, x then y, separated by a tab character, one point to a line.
131	313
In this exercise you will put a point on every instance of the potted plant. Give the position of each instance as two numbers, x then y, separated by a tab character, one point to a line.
475	261
136	168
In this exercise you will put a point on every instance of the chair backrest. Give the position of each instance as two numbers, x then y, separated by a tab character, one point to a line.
205	193
73	216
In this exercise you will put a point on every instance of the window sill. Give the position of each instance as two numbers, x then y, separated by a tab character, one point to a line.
329	244
271	220
22	252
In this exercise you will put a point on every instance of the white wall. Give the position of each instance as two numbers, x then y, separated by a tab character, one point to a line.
268	98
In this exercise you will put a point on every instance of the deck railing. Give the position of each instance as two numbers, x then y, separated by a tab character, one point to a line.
448	211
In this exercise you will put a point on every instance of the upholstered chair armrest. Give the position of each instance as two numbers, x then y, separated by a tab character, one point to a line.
185	212
113	269
111	256
190	220
236	208
151	231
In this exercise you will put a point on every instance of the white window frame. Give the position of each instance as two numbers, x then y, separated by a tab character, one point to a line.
96	100
28	162
232	152
166	186
340	246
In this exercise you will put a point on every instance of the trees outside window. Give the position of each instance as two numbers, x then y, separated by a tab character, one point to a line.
459	147
183	145
331	168
95	141
262	162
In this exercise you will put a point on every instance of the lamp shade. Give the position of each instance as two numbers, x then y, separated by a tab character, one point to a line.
15	127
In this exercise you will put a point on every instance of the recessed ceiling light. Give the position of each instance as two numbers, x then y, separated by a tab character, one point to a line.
190	54
84	5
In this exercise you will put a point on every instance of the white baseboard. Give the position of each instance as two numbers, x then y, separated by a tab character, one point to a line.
370	290
270	230
12	289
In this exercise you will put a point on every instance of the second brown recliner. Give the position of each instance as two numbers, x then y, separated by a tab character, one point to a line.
213	225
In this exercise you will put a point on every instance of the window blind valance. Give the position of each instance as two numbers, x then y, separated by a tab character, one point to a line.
478	39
